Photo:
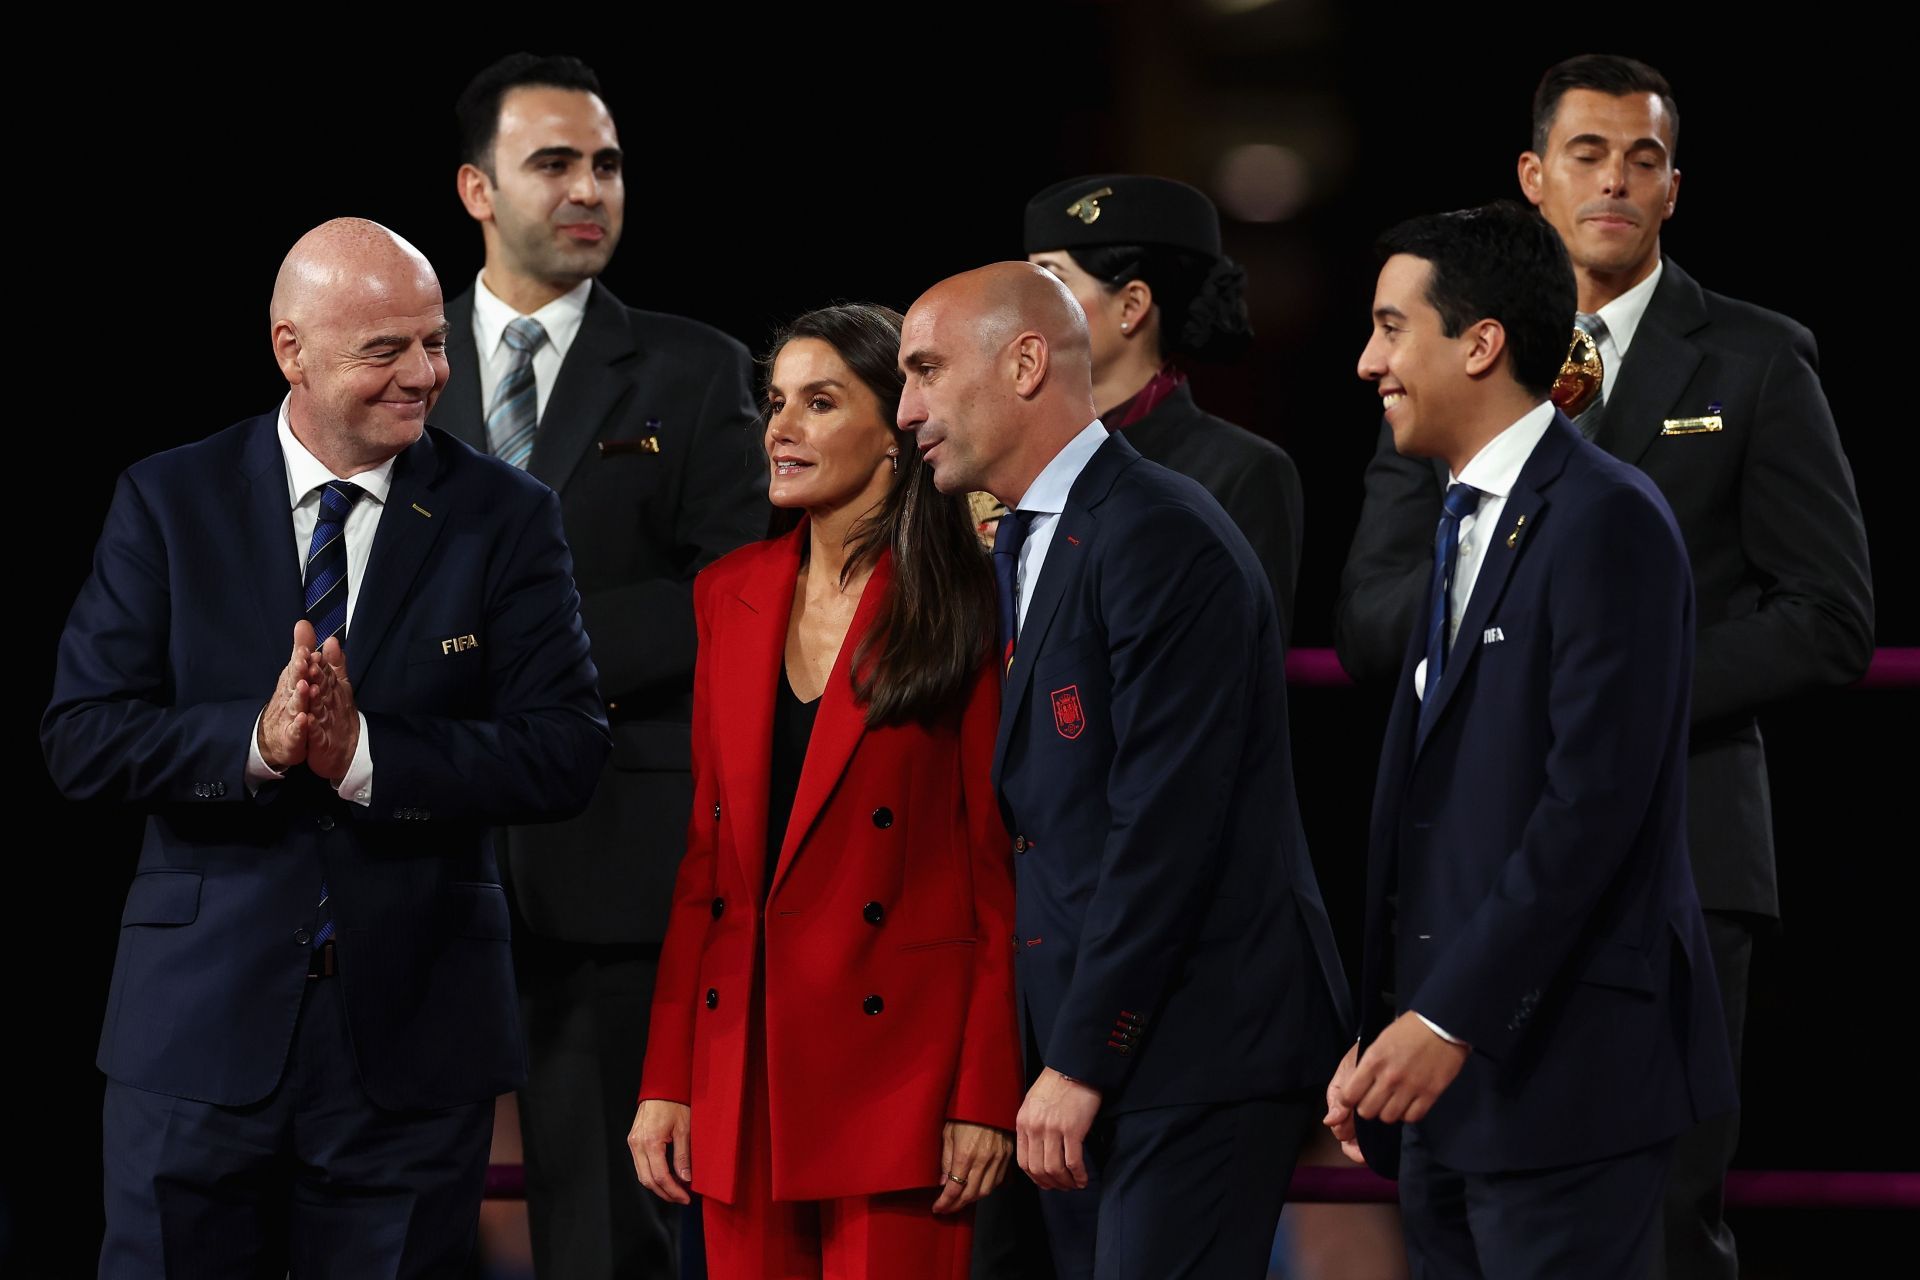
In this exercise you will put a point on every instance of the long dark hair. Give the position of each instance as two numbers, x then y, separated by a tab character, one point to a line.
1202	299
938	624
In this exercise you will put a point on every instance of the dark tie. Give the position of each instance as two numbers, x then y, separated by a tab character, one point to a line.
327	562
1461	502
327	601
515	410
1007	541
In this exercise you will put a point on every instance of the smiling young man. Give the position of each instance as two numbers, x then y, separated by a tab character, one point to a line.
1538	1019
1719	402
644	424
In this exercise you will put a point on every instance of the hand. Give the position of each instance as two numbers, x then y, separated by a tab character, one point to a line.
333	726
282	735
1052	1129
1339	1117
1404	1072
657	1125
973	1159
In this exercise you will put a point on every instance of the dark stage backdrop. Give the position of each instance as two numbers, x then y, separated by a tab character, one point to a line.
768	174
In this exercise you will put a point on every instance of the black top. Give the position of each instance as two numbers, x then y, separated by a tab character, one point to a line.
1250	476
792	727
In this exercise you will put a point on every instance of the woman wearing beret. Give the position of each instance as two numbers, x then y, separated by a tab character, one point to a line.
1142	256
831	1059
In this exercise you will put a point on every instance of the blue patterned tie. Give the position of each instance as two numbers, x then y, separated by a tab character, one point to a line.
1588	422
327	562
514	412
327	599
1007	541
1461	501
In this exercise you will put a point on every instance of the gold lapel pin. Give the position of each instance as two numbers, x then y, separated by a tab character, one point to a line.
423	511
1513	539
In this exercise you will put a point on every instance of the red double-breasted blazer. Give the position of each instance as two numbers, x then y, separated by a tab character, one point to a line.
888	929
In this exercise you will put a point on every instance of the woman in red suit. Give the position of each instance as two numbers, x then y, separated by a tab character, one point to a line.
833	1029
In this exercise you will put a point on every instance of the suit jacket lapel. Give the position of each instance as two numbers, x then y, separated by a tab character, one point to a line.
275	573
459	411
838	726
409	524
751	639
1066	560
586	393
1656	369
1504	546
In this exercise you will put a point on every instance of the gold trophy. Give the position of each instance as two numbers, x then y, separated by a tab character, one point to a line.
1580	380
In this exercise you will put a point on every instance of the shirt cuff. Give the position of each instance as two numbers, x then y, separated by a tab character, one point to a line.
1434	1027
357	786
259	772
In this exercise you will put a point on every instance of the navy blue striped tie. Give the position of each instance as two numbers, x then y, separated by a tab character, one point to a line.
514	411
327	600
327	562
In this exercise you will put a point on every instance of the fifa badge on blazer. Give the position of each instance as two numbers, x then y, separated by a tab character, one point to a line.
1068	717
1710	421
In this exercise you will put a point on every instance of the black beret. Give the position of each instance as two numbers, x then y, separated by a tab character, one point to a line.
1122	208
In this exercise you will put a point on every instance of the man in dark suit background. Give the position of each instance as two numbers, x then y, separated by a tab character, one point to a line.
643	423
312	1006
1720	404
1178	983
1539	1018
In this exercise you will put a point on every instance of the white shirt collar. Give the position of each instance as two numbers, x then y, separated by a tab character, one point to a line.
305	473
1496	468
560	318
1048	492
1623	314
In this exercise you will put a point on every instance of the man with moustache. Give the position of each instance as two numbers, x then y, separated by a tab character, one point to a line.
1178	982
1720	403
313	1002
644	425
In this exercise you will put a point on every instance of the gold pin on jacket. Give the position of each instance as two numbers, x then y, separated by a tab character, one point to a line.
1513	539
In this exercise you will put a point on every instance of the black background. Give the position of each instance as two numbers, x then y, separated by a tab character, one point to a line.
769	172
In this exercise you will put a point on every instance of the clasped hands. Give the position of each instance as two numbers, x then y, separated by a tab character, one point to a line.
1401	1076
311	717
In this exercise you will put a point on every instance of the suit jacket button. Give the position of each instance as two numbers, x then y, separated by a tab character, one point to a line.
1019	844
719	907
219	789
301	937
873	913
713	998
883	817
873	1004
716	811
324	822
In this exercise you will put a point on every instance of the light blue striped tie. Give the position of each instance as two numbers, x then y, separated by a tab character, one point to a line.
514	412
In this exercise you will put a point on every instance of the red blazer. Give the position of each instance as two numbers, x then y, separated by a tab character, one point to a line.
889	929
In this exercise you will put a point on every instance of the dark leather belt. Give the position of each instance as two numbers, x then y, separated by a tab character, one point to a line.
320	961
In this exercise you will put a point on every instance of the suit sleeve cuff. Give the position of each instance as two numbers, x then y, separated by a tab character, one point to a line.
357	786
259	772
1439	1031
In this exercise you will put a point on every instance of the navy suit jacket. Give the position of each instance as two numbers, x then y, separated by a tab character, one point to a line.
1783	595
1535	836
1172	944
172	649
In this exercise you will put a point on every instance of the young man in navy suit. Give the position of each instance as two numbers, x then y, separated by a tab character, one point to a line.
324	650
1539	1016
1178	984
1720	403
